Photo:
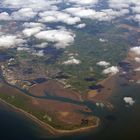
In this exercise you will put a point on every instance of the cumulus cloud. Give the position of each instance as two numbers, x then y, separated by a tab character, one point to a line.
81	12
5	16
57	16
33	25
103	63
79	26
103	40
38	53
84	2
7	41
129	100
23	14
137	69
137	18
137	59
31	31
42	45
62	38
100	105
136	50
23	49
72	61
136	9
103	15
111	70
119	4
34	4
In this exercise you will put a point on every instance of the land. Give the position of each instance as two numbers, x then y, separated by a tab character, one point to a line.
57	96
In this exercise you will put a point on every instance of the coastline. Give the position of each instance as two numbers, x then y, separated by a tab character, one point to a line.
53	131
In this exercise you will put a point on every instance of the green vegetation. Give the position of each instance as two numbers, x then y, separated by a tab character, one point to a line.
90	51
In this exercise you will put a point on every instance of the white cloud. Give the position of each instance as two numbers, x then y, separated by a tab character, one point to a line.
71	61
22	49
84	2
137	18
7	41
31	31
34	4
5	16
103	40
57	16
136	50
81	12
23	14
129	100
103	63
33	25
137	59
111	70
79	26
62	38
38	53
137	69
42	45
119	4
136	9
103	15
100	105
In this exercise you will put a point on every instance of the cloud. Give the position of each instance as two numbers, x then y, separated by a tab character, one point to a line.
100	105
129	100
103	63
111	70
136	50
103	40
31	31
33	24
111	14
72	61
84	2
62	38
23	14
80	26
38	53
7	41
23	49
103	15
137	69
137	18
42	45
57	16
34	4
136	9
137	59
119	4
81	12
5	16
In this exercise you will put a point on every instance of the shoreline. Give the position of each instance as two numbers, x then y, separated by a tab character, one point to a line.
53	131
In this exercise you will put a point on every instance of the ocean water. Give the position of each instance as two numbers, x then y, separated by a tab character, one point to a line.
121	124
13	126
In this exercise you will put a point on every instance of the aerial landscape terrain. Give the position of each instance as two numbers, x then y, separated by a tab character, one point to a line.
69	69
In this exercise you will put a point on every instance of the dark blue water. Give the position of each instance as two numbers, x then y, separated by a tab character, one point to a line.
14	126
